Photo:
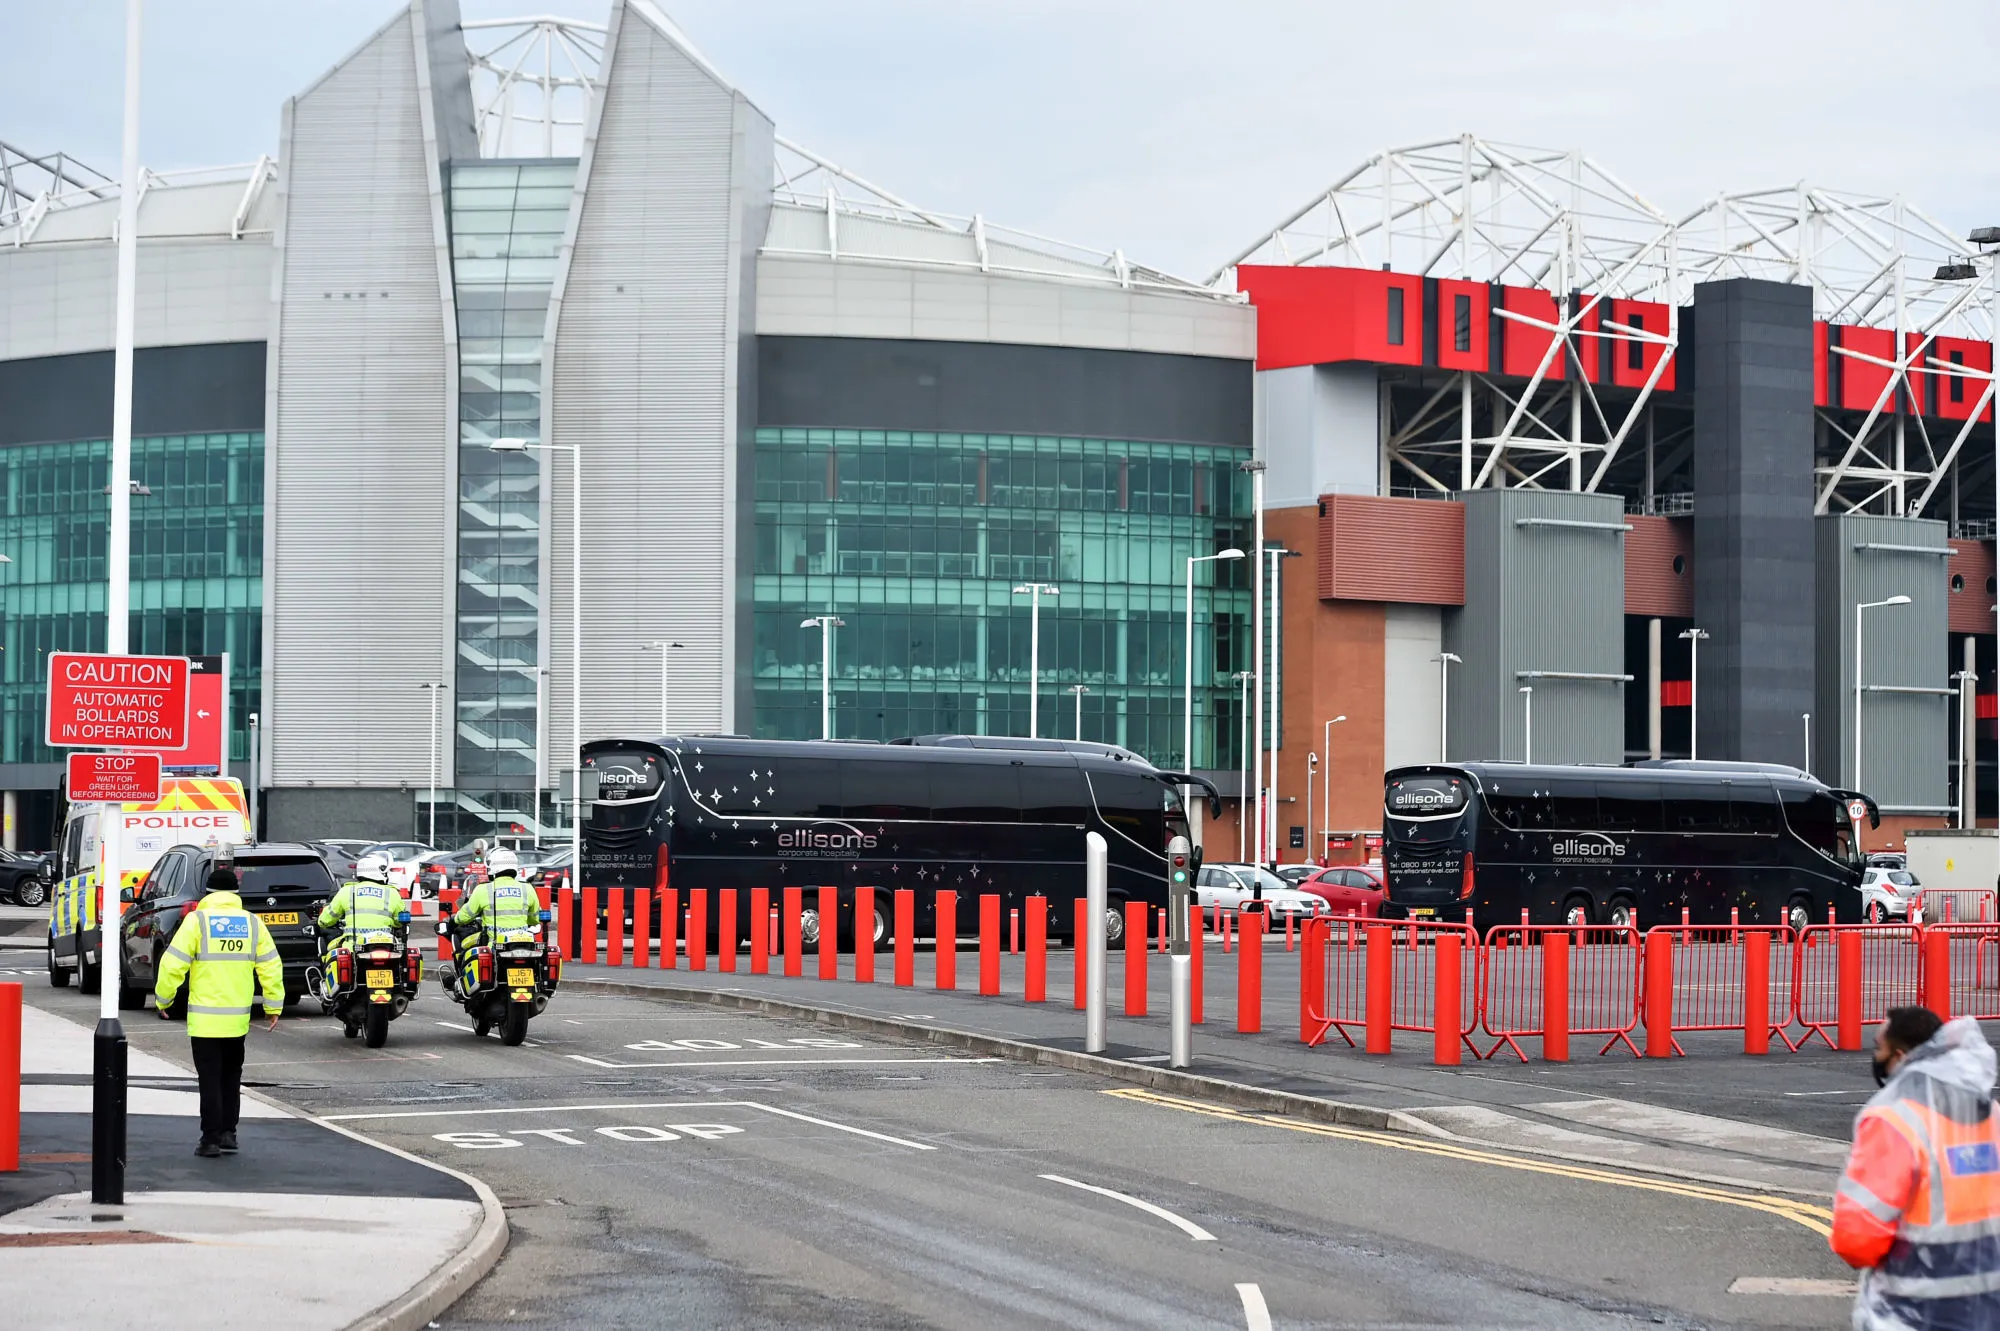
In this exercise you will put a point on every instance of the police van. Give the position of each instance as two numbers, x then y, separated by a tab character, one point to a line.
191	810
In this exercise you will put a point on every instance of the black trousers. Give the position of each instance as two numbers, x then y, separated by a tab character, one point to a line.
218	1063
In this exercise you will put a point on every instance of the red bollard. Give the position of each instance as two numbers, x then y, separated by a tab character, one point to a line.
989	943
1250	976
760	934
588	925
670	920
728	925
1136	944
829	933
794	936
1160	939
864	935
906	937
1381	972
563	904
614	912
947	940
1079	944
1937	973
1228	933
1659	995
447	903
1035	988
1847	990
1555	998
1288	932
1735	919
1014	930
10	1078
1449	960
697	940
642	927
1757	992
1194	965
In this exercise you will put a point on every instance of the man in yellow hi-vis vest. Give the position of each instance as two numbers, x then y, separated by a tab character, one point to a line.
226	954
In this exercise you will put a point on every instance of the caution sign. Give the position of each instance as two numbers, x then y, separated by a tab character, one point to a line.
129	702
114	778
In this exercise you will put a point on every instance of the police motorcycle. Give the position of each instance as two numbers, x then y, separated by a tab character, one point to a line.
369	979
503	980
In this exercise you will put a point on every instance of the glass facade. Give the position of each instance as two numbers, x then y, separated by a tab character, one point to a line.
917	540
197	566
507	221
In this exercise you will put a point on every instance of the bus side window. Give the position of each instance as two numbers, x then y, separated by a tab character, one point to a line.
884	788
1753	812
1627	806
1699	811
1815	819
1573	810
1521	813
975	792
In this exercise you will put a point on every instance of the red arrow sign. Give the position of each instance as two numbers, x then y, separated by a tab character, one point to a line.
114	778
102	701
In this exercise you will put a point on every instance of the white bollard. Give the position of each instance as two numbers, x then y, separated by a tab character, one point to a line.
1096	897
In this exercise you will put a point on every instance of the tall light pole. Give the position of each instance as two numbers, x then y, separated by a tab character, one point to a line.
1079	690
1256	470
665	649
826	625
1859	607
108	1049
1326	793
1243	678
1276	554
434	688
541	768
1807	718
575	630
1694	640
1968	688
1445	662
1527	724
1035	592
1187	702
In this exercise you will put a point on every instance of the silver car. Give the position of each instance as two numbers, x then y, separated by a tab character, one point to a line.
1239	887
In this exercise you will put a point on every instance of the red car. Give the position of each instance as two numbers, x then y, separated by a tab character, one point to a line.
1355	888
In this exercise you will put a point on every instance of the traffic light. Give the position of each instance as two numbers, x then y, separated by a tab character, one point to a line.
1178	870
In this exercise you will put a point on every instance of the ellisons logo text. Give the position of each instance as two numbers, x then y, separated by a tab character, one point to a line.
1578	848
846	839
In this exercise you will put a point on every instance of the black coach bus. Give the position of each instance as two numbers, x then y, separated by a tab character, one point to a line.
1620	845
970	814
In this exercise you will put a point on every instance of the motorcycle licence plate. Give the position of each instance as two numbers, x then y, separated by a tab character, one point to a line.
381	979
520	976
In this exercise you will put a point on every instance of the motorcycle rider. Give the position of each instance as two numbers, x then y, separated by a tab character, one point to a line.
369	904
499	905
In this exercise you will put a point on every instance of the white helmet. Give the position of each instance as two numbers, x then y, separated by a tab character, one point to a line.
502	861
372	868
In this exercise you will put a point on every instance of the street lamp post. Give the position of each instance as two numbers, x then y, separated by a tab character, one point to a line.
665	649
1527	723
1277	554
1694	640
1079	690
826	625
1859	607
434	688
1807	718
1256	470
1243	678
1326	791
1445	662
541	704
1035	591
1187	702
1968	688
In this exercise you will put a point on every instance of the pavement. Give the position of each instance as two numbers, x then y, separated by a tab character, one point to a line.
284	1227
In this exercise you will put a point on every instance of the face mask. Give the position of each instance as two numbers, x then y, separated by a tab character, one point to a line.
1880	1069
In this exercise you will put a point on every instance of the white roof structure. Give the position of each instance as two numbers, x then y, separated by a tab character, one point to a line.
223	202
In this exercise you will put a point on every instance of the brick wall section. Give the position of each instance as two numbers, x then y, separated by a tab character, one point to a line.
1970	610
1407	550
1651	585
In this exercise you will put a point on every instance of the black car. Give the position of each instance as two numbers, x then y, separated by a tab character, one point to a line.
340	856
285	883
25	877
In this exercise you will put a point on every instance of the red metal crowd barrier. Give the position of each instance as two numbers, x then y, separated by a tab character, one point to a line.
1699	978
1386	978
1587	982
1961	970
1850	975
1955	905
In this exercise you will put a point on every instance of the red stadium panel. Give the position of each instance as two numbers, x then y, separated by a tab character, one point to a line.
1920	383
1463	325
1589	347
1522	345
1632	362
1315	316
1821	390
1861	381
1953	395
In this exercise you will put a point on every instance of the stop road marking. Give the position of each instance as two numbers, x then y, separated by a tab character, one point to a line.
500	1141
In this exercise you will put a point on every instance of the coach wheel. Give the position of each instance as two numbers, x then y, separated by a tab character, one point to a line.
1622	914
1114	922
882	929
809	926
1798	914
1576	911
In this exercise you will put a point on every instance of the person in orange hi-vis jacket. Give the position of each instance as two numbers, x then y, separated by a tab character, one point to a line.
1918	1207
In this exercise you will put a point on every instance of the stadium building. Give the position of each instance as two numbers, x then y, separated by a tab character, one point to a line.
1523	432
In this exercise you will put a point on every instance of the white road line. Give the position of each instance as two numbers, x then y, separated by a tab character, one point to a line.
454	1026
1189	1227
1794	1286
1255	1314
662	1104
769	1062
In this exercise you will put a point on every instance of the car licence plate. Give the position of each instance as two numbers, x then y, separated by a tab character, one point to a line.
520	976
279	916
381	979
1423	912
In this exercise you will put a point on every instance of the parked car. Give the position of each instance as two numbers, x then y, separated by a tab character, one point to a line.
1237	888
1296	874
25	877
341	855
1349	889
1888	894
403	857
1888	859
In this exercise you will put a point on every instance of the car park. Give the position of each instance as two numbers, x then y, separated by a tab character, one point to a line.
25	877
1237	888
403	857
1888	894
1349	889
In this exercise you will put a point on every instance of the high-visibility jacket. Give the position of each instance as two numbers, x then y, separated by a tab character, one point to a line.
226	954
497	907
1918	1207
362	908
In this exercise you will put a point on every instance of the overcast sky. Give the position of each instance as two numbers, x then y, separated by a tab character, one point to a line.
1178	130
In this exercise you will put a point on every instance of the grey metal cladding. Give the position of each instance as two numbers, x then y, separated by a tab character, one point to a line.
1544	598
641	375
1902	647
1753	532
175	390
453	123
357	490
896	384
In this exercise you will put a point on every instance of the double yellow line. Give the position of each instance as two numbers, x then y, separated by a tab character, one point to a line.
1818	1219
